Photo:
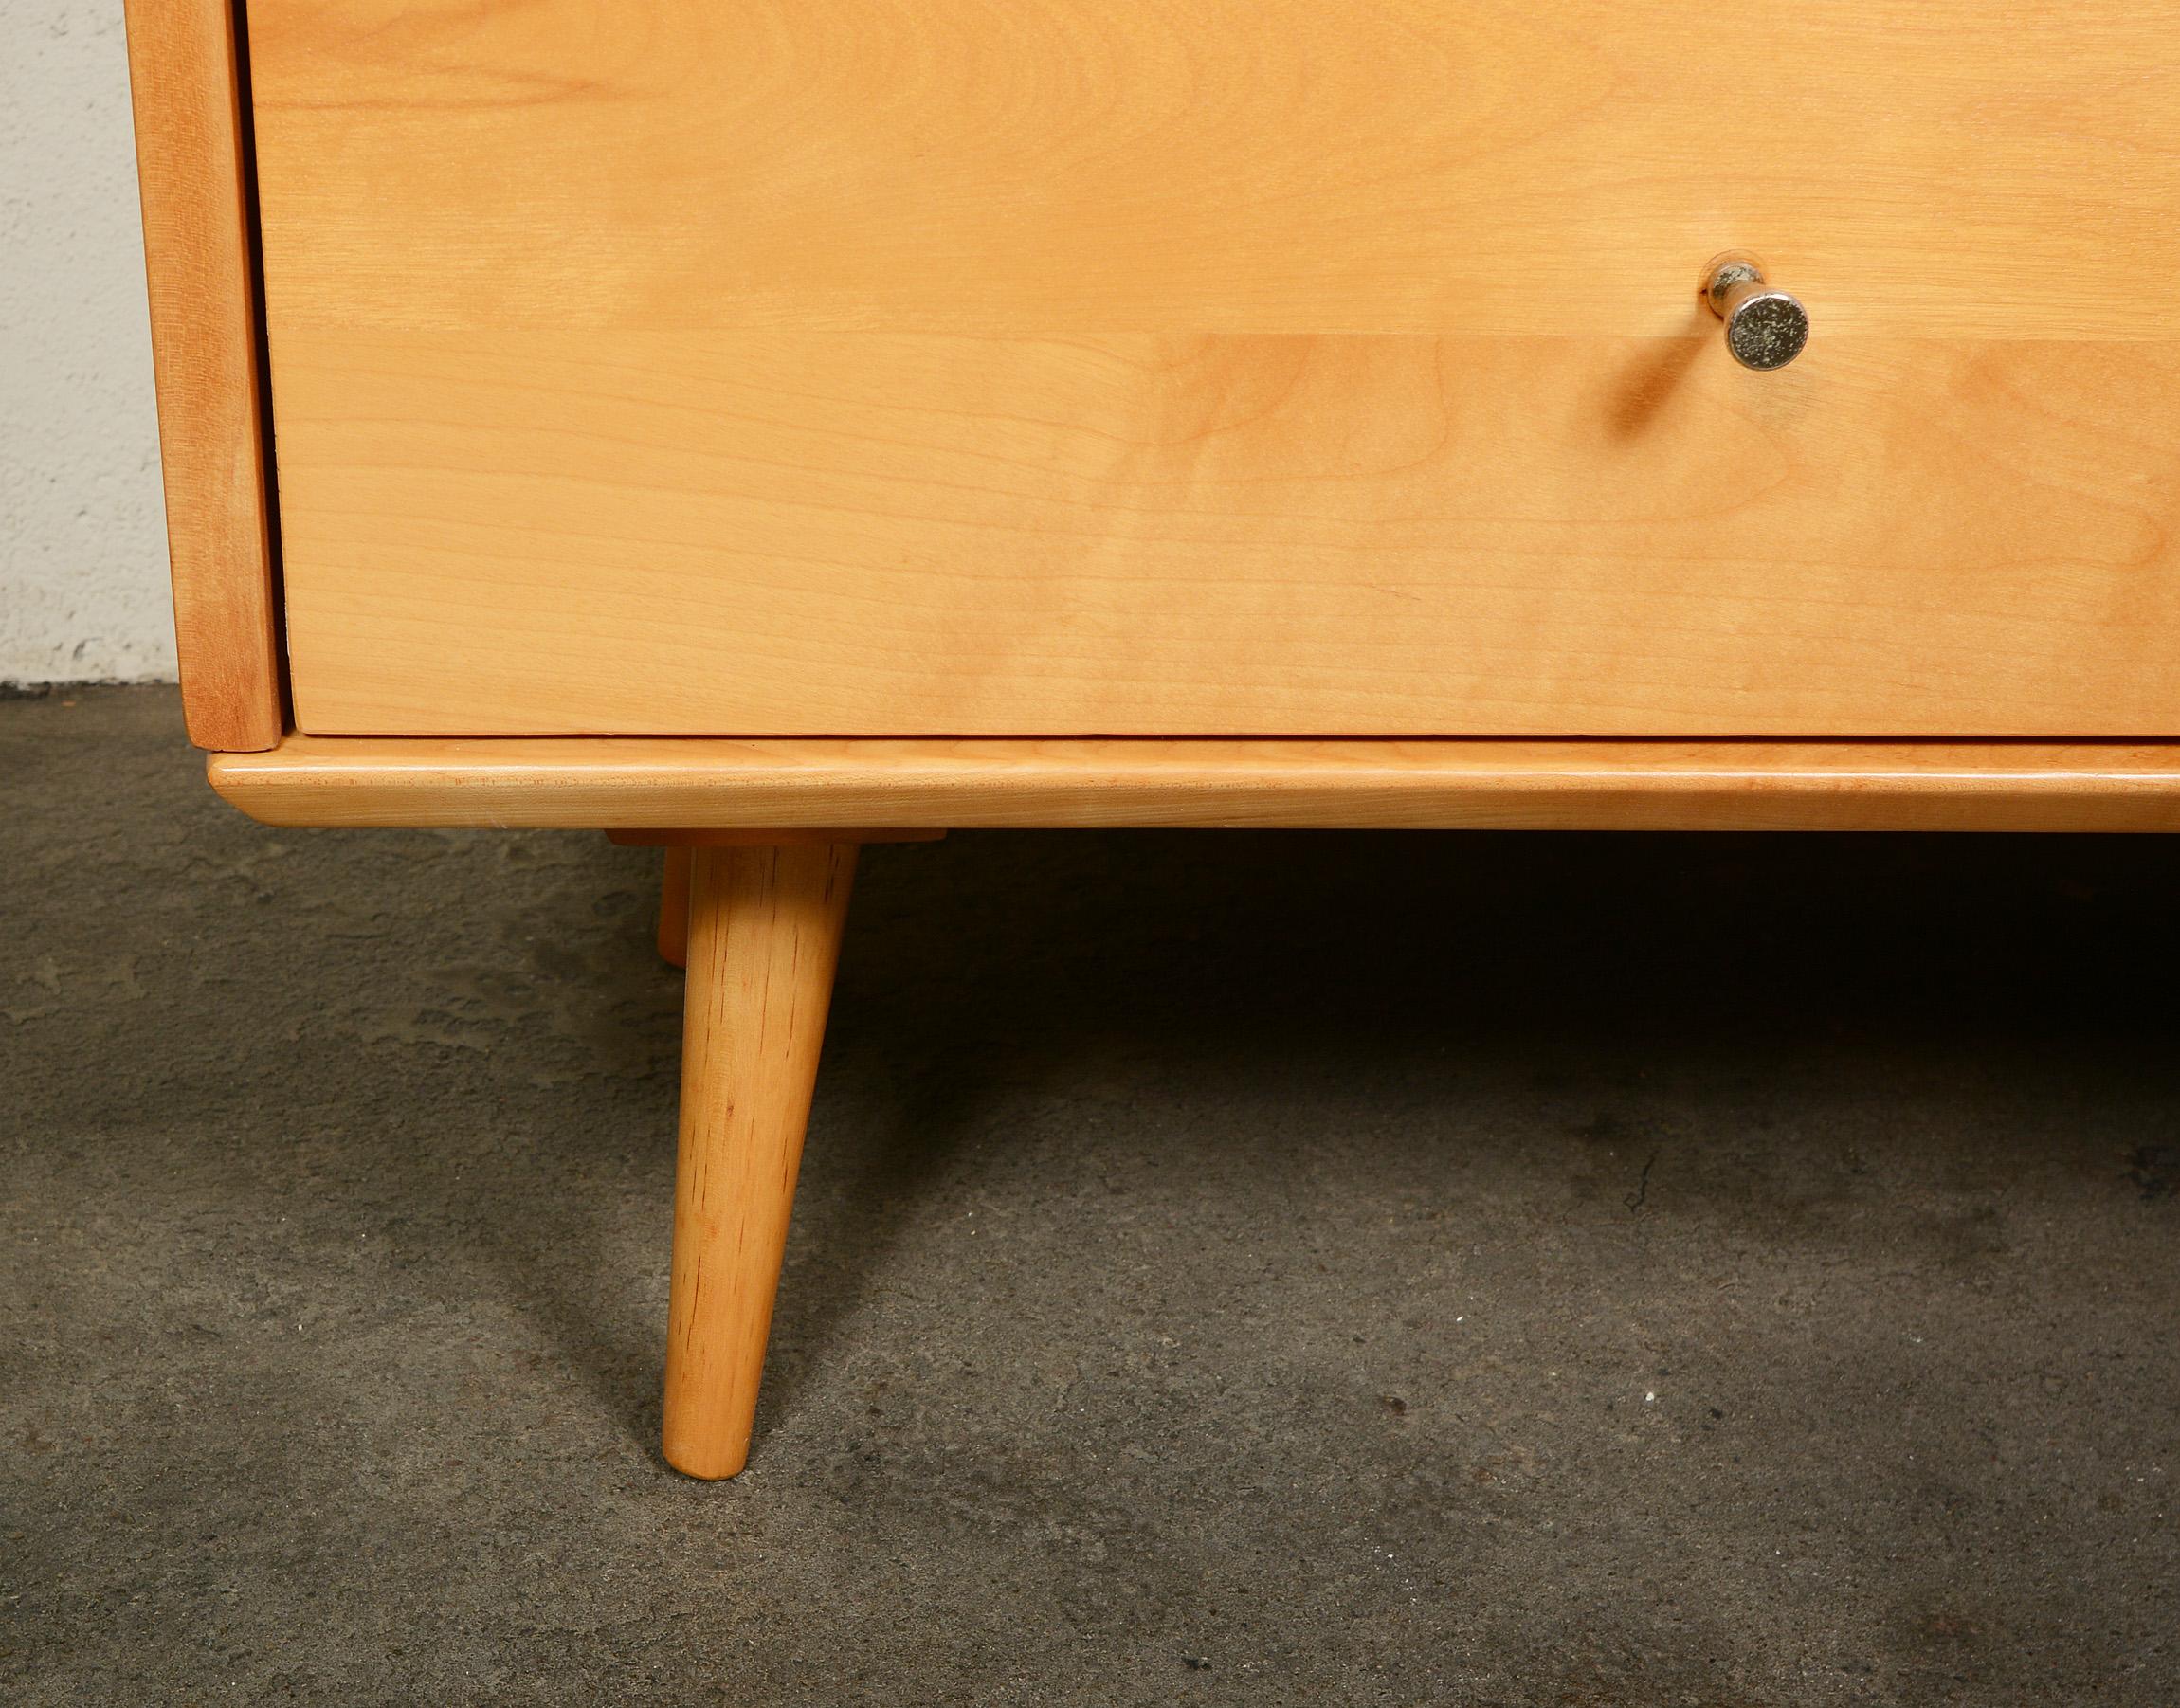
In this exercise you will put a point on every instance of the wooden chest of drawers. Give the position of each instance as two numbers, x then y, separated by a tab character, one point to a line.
747	426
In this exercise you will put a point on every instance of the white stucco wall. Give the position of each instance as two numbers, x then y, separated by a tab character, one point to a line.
83	542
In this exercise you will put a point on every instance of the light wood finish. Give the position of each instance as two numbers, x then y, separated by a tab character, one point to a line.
683	836
1502	785
674	907
1121	367
677	842
764	937
523	533
1950	169
189	168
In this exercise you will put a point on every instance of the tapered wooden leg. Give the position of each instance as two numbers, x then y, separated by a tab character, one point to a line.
763	939
674	909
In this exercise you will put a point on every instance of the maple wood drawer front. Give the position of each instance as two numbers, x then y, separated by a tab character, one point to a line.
1221	366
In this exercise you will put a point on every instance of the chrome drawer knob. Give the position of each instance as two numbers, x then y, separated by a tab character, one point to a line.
1765	328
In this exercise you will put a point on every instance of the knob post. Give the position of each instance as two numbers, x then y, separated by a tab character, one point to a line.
1765	328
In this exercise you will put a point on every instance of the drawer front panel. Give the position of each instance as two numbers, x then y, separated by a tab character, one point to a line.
1104	366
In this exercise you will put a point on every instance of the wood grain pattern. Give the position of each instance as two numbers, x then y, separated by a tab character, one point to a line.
184	84
1119	366
764	937
1955	169
597	784
532	534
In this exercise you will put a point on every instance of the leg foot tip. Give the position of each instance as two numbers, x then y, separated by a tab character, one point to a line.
705	1465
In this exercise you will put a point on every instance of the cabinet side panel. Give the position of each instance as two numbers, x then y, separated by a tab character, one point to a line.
186	85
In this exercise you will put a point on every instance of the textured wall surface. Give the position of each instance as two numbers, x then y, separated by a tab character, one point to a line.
82	541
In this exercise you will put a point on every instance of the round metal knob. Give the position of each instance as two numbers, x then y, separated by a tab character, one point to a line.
1765	328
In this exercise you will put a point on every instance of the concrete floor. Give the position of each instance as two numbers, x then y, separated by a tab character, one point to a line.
1241	1268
